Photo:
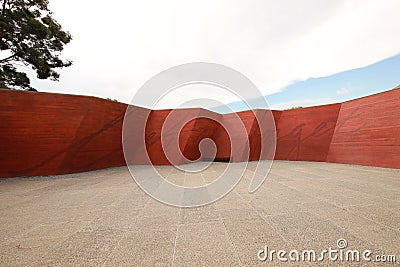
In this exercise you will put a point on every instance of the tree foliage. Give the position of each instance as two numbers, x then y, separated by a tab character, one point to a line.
29	36
292	108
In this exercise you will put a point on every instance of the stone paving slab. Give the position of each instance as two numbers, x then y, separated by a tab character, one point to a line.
103	218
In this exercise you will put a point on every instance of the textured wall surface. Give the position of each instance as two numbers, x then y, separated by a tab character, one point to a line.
306	133
203	127
45	133
173	136
368	131
233	132
244	141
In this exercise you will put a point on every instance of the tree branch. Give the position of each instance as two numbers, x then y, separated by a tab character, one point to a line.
4	7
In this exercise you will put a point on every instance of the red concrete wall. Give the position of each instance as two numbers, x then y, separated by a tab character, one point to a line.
306	133
233	132
182	130
204	126
244	130
262	136
45	133
135	134
368	131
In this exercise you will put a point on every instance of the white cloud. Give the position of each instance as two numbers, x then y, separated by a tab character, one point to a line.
303	103
118	46
197	95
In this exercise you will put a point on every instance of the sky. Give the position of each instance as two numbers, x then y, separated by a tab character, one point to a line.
347	85
296	52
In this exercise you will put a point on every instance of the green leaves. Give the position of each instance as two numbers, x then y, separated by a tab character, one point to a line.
30	35
11	78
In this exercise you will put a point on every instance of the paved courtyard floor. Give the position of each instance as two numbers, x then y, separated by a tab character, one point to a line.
103	218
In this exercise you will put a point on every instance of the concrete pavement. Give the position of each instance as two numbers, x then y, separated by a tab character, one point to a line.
103	218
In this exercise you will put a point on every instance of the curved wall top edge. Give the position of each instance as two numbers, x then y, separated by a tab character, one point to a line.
103	99
50	133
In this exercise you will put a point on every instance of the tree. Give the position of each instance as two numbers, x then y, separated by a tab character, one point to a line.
292	108
31	36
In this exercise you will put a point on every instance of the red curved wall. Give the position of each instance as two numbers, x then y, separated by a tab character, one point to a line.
306	133
368	131
191	125
233	123
43	134
46	133
251	120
